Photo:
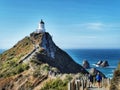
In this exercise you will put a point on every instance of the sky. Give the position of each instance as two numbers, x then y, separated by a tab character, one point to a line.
72	23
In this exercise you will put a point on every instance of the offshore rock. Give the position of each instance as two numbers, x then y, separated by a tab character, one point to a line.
86	64
104	64
94	71
99	62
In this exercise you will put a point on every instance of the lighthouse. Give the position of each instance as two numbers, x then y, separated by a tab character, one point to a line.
41	27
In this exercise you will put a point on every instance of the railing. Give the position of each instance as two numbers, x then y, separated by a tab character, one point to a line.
83	83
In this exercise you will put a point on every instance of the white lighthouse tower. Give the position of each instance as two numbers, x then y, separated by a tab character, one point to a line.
41	27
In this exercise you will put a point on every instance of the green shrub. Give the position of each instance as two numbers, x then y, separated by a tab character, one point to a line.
115	80
68	78
45	67
117	73
37	73
21	67
57	84
11	69
118	66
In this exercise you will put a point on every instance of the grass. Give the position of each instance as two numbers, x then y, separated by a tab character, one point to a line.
10	68
9	58
40	69
19	50
115	83
56	84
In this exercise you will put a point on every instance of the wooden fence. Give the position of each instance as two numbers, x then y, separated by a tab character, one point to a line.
83	83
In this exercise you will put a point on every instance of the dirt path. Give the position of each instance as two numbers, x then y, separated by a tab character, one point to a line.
41	84
96	88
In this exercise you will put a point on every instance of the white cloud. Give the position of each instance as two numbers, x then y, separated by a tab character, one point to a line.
99	26
92	26
87	37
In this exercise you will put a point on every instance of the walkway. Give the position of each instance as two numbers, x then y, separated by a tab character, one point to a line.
83	83
95	88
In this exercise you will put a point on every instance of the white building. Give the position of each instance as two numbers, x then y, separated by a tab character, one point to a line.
41	27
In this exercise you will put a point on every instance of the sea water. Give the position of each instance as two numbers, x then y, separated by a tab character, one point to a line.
94	55
1	50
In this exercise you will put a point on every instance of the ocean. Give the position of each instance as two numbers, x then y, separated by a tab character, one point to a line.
1	50
94	55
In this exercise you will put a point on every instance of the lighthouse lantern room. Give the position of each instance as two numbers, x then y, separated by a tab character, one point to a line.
41	27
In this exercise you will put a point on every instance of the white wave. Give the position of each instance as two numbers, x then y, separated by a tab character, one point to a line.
109	75
112	67
112	71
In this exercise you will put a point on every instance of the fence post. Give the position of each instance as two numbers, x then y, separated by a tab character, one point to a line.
109	81
102	83
73	85
82	84
77	85
69	86
88	83
94	81
85	83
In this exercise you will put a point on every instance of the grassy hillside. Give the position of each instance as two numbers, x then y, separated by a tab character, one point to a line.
115	84
18	75
17	51
10	58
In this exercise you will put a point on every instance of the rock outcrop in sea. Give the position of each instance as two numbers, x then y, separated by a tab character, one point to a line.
102	63
86	64
94	71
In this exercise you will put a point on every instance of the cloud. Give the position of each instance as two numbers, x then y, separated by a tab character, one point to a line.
98	26
93	26
88	37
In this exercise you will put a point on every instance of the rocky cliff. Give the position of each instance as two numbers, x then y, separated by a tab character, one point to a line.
53	55
27	63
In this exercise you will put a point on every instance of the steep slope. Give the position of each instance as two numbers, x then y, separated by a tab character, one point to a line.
16	52
28	63
9	59
53	55
115	83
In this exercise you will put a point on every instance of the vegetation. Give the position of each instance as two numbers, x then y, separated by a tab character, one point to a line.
118	66
68	78
116	79
22	48
11	68
40	69
9	59
56	84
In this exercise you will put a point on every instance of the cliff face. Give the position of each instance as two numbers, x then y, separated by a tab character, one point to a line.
54	56
27	63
